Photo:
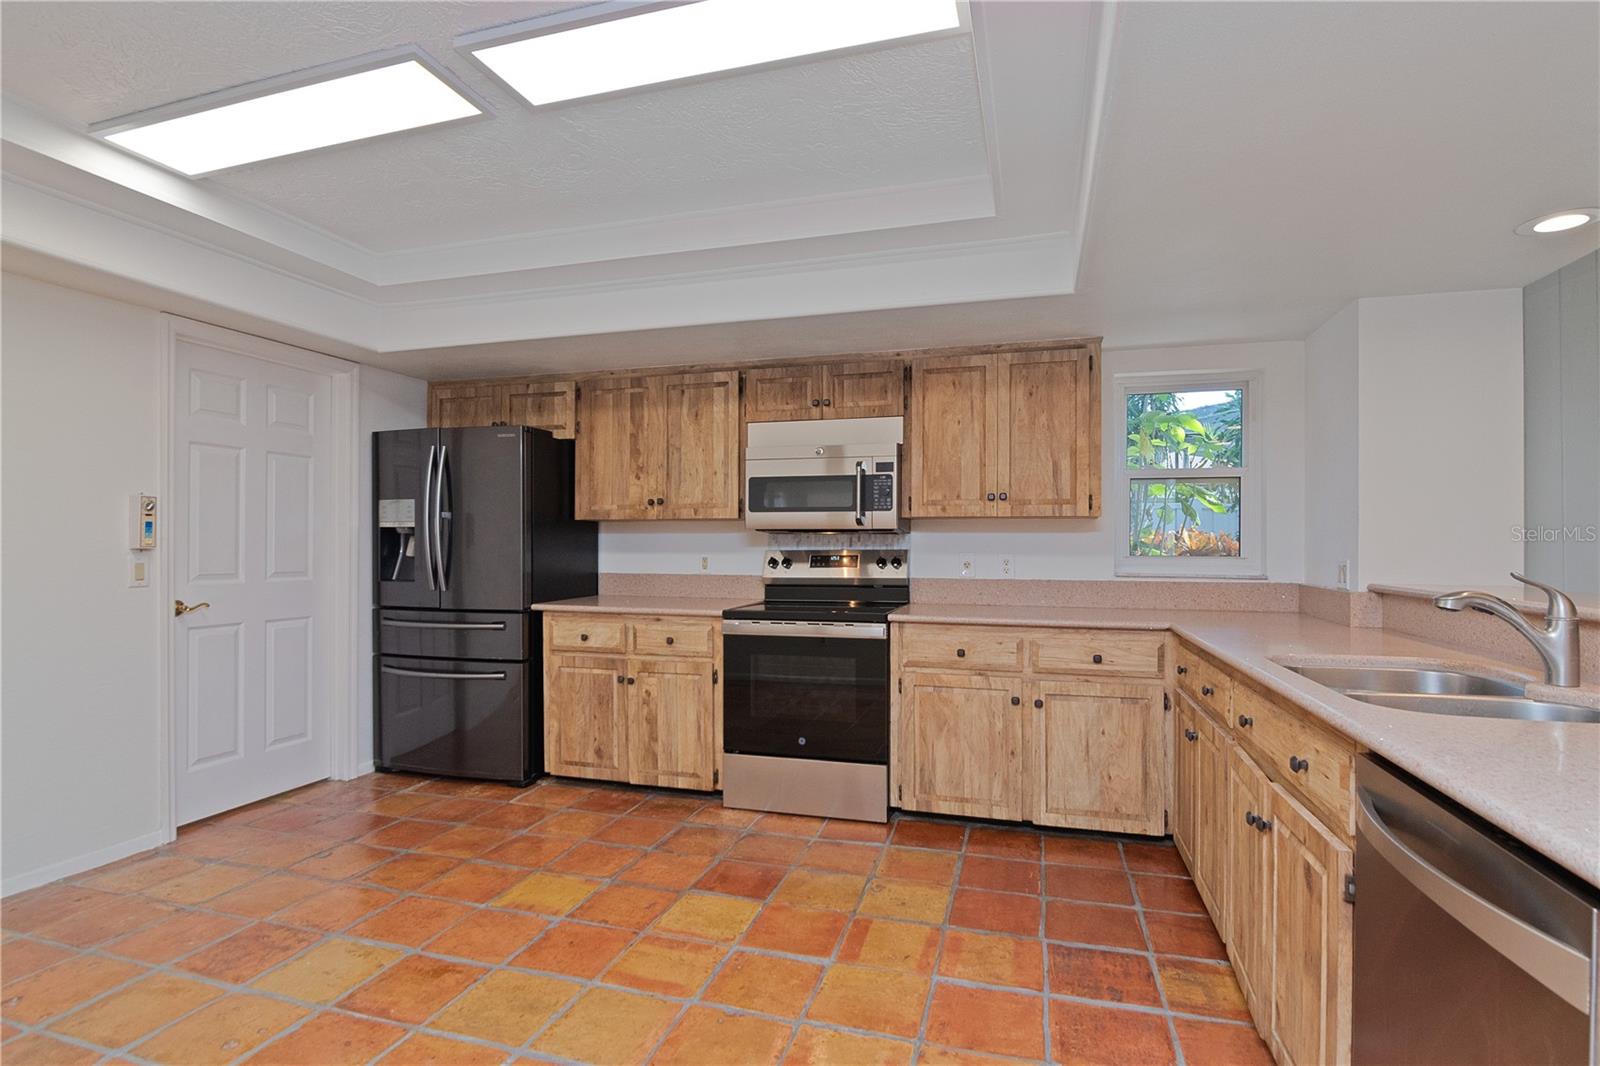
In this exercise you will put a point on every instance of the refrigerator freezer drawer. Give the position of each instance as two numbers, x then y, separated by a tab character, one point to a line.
457	717
453	634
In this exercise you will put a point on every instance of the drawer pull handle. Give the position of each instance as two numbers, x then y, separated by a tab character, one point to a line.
1099	658
1038	703
1206	690
1250	818
1183	669
583	636
961	653
1245	721
1016	701
669	640
1263	825
1297	764
1190	735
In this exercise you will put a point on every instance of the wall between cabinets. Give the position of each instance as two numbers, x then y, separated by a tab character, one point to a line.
1038	548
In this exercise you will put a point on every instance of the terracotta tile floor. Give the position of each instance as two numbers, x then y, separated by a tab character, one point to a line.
399	919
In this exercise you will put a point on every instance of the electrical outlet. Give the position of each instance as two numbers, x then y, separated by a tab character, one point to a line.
1344	574
968	569
1005	567
705	562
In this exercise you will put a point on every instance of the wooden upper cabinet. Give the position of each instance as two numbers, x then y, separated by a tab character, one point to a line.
863	390
1049	428
782	393
459	406
619	448
960	745
543	405
952	438
1098	756
699	453
1310	942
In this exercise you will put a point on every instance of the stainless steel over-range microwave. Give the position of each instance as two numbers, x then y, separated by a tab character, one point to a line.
840	474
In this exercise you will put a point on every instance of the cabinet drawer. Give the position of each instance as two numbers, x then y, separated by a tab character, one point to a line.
1323	768
1086	651
1209	685
674	636
961	647
576	632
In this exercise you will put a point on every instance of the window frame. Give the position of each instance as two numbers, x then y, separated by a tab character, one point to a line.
1251	562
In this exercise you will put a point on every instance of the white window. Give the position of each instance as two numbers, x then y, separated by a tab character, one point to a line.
1187	493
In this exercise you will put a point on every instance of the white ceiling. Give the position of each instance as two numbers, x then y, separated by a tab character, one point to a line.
1160	173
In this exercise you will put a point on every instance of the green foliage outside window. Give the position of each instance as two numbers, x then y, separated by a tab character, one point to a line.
1172	434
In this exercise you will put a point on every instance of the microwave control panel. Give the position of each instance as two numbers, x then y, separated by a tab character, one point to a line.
879	495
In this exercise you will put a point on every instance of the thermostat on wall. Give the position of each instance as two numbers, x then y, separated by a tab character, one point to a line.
142	519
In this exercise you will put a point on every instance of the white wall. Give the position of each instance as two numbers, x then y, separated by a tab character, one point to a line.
1332	501
387	401
80	670
1038	548
79	666
1441	441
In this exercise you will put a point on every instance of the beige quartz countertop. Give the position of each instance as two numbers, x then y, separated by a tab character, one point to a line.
697	606
1539	781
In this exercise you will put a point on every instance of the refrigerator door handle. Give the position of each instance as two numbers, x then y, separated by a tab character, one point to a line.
422	526
440	563
445	675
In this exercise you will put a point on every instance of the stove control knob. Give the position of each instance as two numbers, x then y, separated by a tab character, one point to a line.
882	562
896	562
772	563
787	563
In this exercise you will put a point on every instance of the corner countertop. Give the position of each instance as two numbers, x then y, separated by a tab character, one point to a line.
1522	597
694	606
1539	781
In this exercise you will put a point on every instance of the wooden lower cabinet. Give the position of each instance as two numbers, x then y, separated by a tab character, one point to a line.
1249	821
1097	755
1211	831
1185	772
648	719
959	745
1311	939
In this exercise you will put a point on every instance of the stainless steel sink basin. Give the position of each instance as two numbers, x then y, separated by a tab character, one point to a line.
1349	679
1479	706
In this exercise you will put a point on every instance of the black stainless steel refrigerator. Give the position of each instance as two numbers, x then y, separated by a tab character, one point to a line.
472	526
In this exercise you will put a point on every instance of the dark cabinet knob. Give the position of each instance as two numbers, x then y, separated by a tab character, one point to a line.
621	679
1250	818
827	402
991	496
1002	495
1297	764
816	403
630	680
1263	824
669	640
651	502
1245	721
1099	658
1183	670
1038	703
1016	701
583	636
1190	735
1205	690
660	500
961	653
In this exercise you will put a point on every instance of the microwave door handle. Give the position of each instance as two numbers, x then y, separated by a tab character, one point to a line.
861	495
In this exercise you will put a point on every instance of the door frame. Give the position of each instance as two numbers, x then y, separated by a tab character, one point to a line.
344	427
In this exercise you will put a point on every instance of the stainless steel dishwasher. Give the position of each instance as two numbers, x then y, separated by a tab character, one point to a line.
1469	948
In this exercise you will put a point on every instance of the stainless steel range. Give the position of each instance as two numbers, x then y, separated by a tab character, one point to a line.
806	696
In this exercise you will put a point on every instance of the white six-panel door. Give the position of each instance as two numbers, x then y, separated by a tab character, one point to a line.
248	533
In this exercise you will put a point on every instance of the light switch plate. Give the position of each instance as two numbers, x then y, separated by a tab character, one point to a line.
138	573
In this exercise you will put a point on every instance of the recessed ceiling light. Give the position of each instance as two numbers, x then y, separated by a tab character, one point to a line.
1559	221
550	60
298	113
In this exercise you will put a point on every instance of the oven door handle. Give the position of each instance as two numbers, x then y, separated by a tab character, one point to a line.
745	627
861	494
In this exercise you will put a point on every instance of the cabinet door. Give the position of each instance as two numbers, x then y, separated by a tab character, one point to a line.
1185	774
458	406
585	716
618	453
700	452
863	390
1310	938
671	711
782	393
1097	756
546	405
1210	827
1249	919
952	438
961	744
1048	451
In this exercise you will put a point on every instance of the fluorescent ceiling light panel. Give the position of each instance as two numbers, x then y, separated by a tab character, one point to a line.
352	107
673	43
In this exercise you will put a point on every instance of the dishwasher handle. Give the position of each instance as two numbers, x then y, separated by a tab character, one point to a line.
1560	968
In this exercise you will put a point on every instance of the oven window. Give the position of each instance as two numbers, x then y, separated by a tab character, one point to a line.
820	492
808	697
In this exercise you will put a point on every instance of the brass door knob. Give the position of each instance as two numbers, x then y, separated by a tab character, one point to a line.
179	608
